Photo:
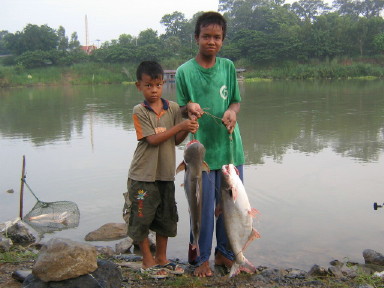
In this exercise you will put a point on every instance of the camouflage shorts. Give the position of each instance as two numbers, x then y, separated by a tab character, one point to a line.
150	206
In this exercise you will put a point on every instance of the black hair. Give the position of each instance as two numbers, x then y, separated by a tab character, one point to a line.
209	18
151	68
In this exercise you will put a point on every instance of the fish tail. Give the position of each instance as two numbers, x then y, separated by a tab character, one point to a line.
235	269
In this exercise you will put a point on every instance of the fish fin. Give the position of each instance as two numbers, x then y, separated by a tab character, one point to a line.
195	246
246	267
205	167
253	212
250	269
181	167
197	193
254	235
218	210
235	193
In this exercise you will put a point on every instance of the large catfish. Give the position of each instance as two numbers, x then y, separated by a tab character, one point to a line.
238	218
193	165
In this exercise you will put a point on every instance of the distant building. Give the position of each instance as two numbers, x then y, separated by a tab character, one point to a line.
88	49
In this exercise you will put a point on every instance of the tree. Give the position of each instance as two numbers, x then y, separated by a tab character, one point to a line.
307	10
366	8
74	43
32	38
175	24
63	44
3	48
378	42
146	37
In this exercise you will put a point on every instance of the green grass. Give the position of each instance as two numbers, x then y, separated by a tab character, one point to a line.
101	73
17	256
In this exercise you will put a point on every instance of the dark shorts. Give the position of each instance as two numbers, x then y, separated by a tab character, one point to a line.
150	206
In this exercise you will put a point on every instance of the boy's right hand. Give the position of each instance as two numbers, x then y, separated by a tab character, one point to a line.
190	126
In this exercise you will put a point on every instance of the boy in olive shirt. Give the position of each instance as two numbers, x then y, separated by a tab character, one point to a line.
159	127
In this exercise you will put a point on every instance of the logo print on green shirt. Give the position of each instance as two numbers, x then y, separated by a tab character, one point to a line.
224	92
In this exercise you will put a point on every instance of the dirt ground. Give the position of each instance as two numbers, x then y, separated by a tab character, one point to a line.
132	278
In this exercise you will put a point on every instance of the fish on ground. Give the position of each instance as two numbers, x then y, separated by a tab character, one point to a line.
238	218
194	165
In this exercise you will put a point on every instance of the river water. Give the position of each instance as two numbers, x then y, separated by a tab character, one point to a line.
314	163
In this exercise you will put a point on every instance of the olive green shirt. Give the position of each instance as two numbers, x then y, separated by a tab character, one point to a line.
154	163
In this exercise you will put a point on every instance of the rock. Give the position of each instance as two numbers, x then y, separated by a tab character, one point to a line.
18	232
21	275
61	259
107	275
124	246
373	257
317	270
109	231
296	274
105	251
335	271
5	244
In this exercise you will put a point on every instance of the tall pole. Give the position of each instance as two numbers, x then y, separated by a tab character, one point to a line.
22	189
86	32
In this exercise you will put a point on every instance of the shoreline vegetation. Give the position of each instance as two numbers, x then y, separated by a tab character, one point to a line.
101	73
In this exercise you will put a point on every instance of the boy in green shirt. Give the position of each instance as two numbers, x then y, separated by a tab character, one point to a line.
208	83
159	127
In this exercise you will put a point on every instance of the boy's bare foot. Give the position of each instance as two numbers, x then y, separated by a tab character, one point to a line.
221	260
203	270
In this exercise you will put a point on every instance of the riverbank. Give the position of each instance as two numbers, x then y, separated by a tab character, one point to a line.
341	275
101	73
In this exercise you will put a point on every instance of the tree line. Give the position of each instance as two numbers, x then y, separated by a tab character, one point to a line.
260	32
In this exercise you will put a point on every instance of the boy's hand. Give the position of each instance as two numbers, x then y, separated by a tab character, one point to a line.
190	126
229	120
194	111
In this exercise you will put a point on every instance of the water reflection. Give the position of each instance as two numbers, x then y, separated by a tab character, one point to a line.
308	117
314	153
345	116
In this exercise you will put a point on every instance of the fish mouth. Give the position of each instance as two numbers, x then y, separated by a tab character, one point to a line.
225	169
191	142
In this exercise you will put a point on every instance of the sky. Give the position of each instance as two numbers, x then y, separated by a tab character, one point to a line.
107	19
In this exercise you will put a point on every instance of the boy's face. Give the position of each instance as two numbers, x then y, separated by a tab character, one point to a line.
210	40
152	89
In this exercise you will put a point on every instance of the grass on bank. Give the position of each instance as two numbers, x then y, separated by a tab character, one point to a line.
102	73
16	255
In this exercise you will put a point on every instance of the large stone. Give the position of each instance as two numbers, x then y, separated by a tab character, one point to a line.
18	232
107	275
109	231
61	259
373	257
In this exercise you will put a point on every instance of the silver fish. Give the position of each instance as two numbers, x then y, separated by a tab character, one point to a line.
238	218
51	218
193	165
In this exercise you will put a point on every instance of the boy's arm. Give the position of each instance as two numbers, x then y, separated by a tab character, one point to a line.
181	136
184	127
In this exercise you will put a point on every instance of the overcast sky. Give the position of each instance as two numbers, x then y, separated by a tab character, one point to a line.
107	19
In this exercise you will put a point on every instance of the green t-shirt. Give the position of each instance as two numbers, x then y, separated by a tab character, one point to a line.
214	89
